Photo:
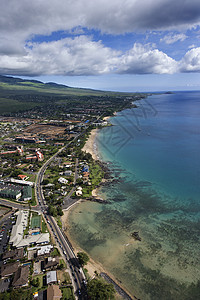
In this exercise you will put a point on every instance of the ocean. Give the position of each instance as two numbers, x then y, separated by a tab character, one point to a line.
153	152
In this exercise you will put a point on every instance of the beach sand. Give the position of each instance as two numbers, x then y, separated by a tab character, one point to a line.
89	146
92	266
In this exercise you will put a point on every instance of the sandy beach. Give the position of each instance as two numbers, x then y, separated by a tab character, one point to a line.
89	146
92	265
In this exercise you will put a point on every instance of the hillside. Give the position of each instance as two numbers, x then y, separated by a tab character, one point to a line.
48	99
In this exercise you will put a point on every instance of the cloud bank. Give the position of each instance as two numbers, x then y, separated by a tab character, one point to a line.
22	21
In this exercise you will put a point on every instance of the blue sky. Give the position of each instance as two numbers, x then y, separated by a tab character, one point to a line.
124	45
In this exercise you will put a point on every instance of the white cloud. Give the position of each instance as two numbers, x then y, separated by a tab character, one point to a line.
82	56
191	61
28	18
144	60
191	46
23	20
78	56
173	38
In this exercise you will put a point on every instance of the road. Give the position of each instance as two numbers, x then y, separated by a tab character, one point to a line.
18	205
77	276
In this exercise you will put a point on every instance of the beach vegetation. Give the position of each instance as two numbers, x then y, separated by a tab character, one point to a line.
100	289
83	258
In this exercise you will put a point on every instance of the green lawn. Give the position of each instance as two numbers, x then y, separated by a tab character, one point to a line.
44	226
55	252
67	294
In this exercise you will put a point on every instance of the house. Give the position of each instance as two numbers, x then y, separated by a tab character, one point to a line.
49	263
39	155
13	254
79	191
22	177
68	173
62	180
44	250
9	269
53	292
21	277
85	168
51	277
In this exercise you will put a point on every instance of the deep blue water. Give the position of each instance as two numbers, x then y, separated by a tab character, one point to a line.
159	142
153	151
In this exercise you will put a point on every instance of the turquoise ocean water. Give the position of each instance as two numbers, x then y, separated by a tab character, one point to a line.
153	151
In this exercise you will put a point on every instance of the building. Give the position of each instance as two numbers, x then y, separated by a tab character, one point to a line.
26	193
49	263
39	239
23	139
85	168
53	292
10	191
39	155
21	277
22	177
19	227
68	173
44	250
9	269
79	191
51	277
22	182
13	254
62	180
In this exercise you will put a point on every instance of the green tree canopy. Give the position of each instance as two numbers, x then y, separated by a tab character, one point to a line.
99	289
83	258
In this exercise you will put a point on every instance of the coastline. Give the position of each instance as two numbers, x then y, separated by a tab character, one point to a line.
92	266
89	146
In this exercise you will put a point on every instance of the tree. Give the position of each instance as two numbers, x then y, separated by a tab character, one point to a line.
99	289
83	258
45	181
52	210
59	211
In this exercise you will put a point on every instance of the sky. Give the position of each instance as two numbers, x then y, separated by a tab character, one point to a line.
120	45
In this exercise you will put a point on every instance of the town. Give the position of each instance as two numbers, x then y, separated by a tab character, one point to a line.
44	171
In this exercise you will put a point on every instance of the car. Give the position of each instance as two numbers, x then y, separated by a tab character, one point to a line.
79	292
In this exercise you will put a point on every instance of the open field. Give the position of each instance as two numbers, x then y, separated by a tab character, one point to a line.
45	129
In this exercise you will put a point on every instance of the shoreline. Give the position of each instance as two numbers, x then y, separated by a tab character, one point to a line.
92	266
89	146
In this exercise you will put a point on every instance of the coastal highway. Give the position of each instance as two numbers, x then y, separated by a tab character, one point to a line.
77	274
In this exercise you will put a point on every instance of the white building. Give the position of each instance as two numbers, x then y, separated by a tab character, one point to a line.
51	277
44	250
62	180
19	227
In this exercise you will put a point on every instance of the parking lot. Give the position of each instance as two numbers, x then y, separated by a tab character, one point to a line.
5	229
4	284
